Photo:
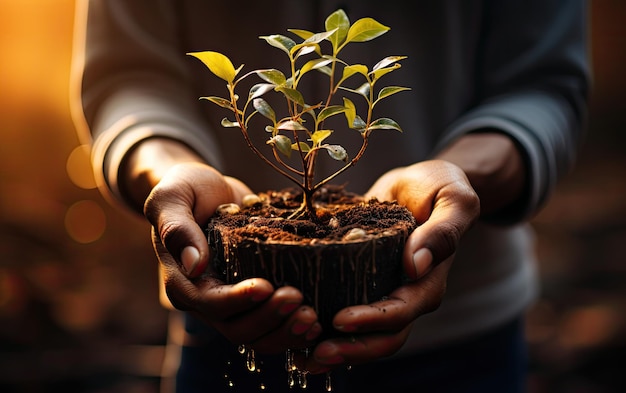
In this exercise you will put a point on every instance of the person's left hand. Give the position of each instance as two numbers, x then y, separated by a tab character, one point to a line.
445	205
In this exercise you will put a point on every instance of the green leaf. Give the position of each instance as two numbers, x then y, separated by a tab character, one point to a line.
311	43
292	94
389	90
318	37
291	125
280	41
387	61
319	136
329	111
224	103
281	143
336	152
305	50
384	123
218	64
359	124
365	29
229	123
272	75
264	108
337	20
313	64
382	71
260	89
364	90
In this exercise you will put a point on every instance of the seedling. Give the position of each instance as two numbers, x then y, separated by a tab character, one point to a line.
302	131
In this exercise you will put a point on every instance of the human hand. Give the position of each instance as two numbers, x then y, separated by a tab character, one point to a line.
445	205
250	312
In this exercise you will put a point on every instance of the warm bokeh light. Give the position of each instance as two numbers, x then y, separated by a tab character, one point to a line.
85	221
79	168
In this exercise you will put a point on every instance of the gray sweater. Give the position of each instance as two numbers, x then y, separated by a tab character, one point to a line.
518	66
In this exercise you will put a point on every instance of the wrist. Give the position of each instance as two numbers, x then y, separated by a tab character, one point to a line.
145	165
495	167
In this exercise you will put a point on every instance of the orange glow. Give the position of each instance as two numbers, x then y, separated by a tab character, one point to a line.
79	168
85	221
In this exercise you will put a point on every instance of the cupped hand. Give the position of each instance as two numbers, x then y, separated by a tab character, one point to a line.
445	205
250	312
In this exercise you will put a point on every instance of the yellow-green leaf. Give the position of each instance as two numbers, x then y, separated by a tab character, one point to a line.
304	34
224	103
280	41
384	123
319	136
272	75
329	111
292	94
389	90
387	61
218	64
365	29
303	147
350	111
229	123
313	64
382	71
337	20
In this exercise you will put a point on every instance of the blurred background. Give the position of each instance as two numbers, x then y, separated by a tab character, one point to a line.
79	308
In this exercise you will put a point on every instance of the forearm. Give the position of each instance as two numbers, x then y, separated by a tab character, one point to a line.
494	166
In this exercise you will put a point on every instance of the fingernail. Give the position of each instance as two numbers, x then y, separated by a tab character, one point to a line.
190	258
422	261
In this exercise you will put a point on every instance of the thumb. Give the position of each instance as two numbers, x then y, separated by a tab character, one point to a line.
438	237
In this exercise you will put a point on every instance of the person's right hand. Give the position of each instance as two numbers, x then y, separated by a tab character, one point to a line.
251	312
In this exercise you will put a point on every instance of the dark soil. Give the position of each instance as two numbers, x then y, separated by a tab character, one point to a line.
350	253
338	212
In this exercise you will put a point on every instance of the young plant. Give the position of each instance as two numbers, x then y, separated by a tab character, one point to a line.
302	131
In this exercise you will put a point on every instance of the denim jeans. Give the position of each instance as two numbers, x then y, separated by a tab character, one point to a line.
493	362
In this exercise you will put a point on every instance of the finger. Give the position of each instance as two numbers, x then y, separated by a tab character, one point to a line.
352	350
184	200
208	293
250	325
455	209
298	331
400	308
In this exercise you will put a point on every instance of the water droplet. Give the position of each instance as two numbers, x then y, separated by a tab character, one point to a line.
250	360
328	382
241	349
302	381
290	380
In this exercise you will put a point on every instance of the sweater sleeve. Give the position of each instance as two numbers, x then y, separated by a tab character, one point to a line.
532	84
130	84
